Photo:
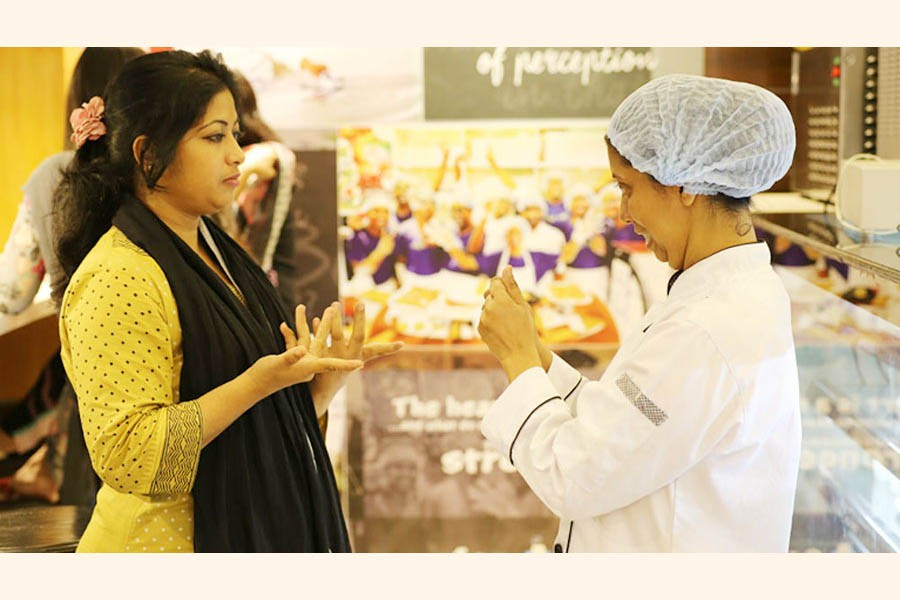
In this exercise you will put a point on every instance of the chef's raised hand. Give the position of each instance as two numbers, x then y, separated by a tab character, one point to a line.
509	282
507	326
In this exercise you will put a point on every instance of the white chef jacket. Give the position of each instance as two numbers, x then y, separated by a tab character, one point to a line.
690	442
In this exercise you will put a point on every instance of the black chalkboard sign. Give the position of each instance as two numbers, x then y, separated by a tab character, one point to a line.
529	83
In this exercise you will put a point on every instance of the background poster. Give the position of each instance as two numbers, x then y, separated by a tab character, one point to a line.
423	479
430	212
531	83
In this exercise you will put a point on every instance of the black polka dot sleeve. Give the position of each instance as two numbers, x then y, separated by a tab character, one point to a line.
116	329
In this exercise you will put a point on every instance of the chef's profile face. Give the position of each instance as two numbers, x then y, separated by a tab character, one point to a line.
652	208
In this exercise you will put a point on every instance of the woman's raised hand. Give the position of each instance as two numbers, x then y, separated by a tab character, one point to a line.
302	359
310	357
326	384
353	347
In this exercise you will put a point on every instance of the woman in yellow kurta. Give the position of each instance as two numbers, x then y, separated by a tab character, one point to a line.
192	386
143	442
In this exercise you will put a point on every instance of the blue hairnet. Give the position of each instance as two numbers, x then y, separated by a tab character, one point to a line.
709	135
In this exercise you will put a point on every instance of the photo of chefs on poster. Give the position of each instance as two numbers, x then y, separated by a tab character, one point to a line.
430	213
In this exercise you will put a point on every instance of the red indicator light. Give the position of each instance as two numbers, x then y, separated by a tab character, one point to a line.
835	71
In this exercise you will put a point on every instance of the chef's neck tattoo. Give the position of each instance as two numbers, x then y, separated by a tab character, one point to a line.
743	227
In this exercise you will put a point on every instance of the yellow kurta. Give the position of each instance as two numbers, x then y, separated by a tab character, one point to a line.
121	347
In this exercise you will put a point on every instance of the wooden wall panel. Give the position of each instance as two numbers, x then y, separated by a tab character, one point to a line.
766	67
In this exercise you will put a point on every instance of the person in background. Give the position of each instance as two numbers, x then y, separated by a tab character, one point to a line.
491	235
264	197
397	481
29	253
57	471
555	195
517	257
534	246
370	250
461	260
403	211
543	242
203	400
690	441
416	243
588	242
406	188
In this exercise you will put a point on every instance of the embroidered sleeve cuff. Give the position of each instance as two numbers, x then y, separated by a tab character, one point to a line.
566	379
181	450
527	393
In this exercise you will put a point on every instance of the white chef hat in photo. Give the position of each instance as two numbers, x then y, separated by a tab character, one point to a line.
491	189
709	135
420	197
526	196
461	196
556	174
377	198
450	198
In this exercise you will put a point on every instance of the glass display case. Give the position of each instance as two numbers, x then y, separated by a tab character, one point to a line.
845	298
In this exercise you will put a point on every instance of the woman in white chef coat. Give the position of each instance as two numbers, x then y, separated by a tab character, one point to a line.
691	439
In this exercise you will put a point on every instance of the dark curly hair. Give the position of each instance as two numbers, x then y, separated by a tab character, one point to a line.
160	96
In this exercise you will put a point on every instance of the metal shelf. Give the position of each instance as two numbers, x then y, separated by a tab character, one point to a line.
822	232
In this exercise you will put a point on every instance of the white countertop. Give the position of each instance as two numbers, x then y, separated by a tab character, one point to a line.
785	202
42	307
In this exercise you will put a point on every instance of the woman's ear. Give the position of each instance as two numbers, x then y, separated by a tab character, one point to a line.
142	157
137	148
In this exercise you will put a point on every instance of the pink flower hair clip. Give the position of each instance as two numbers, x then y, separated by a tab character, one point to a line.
86	122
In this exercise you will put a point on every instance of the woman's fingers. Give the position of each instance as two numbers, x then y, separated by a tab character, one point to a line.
302	326
289	339
318	344
293	355
320	365
370	351
358	333
337	323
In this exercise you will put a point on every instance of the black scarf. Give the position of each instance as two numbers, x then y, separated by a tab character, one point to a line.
260	486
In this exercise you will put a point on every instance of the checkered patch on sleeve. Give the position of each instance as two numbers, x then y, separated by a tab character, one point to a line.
640	401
